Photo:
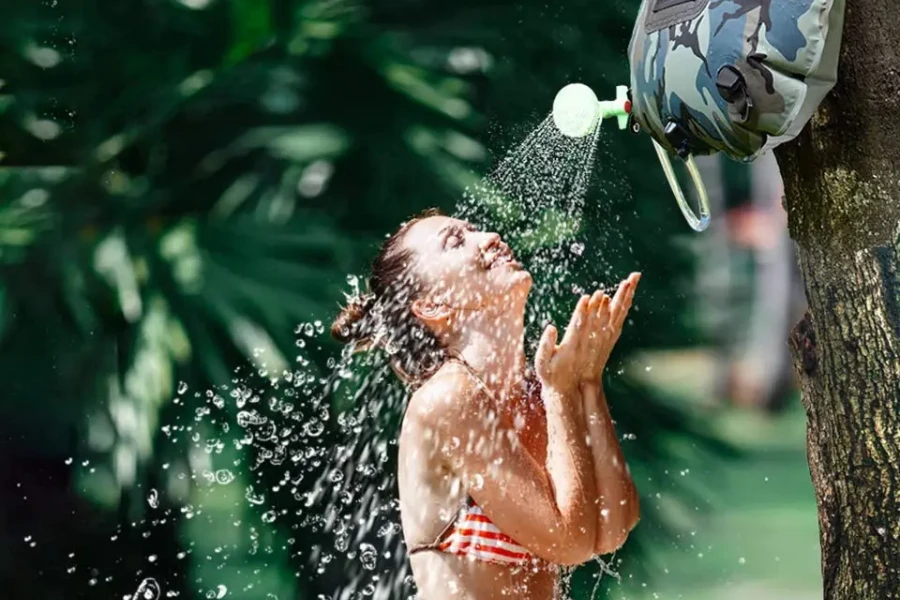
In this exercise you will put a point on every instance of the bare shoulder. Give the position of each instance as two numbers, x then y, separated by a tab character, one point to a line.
450	391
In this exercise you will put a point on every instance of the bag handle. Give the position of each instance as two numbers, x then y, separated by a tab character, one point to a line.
697	223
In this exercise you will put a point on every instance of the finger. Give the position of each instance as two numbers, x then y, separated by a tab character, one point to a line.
629	298
594	304
603	313
546	349
593	314
617	301
577	321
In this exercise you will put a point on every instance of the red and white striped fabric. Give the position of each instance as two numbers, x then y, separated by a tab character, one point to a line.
475	535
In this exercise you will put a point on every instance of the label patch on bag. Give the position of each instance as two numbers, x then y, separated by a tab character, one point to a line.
664	4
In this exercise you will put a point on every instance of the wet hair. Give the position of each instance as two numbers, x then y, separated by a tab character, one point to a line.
383	317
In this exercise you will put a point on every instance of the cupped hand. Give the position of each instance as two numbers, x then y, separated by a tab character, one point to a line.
606	318
559	367
593	330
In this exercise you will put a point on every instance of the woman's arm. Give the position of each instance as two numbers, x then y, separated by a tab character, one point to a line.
551	512
617	495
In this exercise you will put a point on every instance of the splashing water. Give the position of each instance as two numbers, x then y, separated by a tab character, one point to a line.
346	494
535	198
328	433
147	590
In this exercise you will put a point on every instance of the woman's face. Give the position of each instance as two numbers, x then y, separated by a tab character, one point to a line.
463	267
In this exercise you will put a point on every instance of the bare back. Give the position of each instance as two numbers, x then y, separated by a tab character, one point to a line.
431	496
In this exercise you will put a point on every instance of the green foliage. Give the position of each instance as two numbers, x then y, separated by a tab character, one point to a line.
183	183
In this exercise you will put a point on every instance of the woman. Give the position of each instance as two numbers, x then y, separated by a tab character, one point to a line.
505	474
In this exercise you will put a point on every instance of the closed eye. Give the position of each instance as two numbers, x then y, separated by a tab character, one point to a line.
454	239
454	235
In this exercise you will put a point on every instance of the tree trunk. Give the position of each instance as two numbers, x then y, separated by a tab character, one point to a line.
842	185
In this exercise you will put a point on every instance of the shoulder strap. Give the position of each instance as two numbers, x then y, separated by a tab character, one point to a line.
477	378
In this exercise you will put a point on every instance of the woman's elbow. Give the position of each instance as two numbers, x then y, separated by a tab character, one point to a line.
573	549
614	539
614	536
574	555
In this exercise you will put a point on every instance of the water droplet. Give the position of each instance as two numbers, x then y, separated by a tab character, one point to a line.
269	516
245	418
367	556
254	498
314	428
224	476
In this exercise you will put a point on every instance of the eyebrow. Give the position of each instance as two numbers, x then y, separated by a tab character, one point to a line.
456	227
446	230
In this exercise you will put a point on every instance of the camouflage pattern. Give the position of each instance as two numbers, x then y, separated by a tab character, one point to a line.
786	51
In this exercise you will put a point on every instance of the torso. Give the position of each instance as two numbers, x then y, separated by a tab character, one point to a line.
430	497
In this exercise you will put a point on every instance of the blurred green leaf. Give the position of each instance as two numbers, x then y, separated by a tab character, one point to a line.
251	28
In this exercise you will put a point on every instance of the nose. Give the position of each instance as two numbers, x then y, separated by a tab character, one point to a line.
490	239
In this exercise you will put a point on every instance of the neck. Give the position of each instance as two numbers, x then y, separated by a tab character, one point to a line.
494	347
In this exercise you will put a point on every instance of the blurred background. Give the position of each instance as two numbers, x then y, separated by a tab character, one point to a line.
189	187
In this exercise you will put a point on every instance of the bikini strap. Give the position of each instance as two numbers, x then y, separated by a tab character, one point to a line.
469	501
481	384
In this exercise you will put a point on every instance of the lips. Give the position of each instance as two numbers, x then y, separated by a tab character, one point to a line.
497	255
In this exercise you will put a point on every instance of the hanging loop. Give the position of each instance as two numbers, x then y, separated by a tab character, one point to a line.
697	223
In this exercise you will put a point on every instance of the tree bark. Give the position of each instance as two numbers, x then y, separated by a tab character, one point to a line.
842	187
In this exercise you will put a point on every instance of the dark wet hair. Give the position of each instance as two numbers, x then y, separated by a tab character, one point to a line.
383	318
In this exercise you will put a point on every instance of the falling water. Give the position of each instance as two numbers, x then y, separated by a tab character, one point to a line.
535	198
326	434
344	495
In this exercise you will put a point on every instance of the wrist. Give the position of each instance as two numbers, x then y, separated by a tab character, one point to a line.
594	398
559	391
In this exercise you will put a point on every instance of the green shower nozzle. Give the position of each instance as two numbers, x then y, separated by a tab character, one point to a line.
577	112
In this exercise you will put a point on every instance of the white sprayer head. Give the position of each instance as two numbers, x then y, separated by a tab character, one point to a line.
576	110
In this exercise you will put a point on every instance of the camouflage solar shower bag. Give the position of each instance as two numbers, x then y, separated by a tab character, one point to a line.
732	76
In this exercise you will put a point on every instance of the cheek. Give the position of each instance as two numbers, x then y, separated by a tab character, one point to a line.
462	283
445	274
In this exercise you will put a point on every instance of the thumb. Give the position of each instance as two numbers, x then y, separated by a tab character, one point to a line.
545	350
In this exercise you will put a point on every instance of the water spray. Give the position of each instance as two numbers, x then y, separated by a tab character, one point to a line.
577	113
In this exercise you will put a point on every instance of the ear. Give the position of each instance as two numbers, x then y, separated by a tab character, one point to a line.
430	312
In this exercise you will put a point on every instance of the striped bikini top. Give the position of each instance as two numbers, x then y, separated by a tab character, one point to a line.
473	535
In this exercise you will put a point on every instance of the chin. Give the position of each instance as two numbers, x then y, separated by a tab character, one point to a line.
517	282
